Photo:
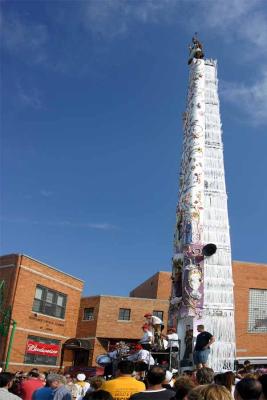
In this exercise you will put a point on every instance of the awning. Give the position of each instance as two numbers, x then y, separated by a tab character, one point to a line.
77	344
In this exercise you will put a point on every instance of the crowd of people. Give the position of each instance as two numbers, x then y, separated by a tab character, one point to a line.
158	384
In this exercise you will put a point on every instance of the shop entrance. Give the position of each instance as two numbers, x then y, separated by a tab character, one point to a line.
80	358
80	349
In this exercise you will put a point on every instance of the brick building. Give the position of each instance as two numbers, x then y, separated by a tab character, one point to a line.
51	316
105	320
250	293
45	304
157	286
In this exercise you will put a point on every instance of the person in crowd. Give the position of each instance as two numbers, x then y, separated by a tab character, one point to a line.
70	385
16	385
168	383
205	376
44	393
202	348
248	389
155	377
172	338
196	393
125	385
35	370
81	387
42	377
246	369
58	383
6	381
229	381
29	385
263	381
183	385
98	395
96	383
219	379
147	338
211	392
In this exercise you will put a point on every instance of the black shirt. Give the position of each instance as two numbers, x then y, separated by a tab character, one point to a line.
203	339
163	394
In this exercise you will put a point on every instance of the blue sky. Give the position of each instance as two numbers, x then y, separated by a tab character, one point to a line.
92	97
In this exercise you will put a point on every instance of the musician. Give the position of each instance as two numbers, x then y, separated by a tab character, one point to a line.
142	358
147	338
172	338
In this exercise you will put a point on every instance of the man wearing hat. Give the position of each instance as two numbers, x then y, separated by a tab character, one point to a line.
142	358
147	338
156	324
81	386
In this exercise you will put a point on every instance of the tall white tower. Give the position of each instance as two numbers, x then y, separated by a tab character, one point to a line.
202	290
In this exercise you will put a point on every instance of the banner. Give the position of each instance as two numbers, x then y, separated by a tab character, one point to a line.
43	349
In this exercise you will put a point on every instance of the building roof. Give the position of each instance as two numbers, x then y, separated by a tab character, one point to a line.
41	262
250	263
123	297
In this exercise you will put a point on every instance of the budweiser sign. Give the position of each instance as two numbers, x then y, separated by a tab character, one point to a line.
44	349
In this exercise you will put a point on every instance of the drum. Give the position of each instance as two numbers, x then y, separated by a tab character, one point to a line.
103	360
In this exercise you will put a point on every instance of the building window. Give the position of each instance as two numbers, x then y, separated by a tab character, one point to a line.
88	314
257	313
124	314
41	351
49	302
158	314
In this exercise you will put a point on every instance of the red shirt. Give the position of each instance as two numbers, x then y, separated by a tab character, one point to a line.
29	386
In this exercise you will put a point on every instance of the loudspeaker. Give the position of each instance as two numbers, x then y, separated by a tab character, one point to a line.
209	249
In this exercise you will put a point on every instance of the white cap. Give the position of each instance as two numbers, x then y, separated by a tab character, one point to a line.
81	377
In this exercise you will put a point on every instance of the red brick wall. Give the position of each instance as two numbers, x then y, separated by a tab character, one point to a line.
85	328
248	276
107	324
31	273
8	274
156	287
164	285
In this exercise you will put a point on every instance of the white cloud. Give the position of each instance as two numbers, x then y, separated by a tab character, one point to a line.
23	38
45	193
113	18
243	22
103	226
30	97
240	21
251	99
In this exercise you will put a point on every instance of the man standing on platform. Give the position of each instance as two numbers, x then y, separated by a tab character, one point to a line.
202	347
147	338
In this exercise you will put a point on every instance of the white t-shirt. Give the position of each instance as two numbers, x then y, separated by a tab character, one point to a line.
81	390
143	355
173	340
147	337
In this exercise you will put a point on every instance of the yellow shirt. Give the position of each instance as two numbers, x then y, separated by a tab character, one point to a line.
123	387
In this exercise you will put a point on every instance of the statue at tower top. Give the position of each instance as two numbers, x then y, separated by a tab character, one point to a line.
195	49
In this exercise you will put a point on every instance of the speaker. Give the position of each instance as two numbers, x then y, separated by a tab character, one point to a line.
209	249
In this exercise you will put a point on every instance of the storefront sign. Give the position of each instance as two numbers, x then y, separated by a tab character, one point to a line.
43	349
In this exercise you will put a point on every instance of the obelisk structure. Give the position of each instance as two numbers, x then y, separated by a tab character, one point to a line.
202	291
